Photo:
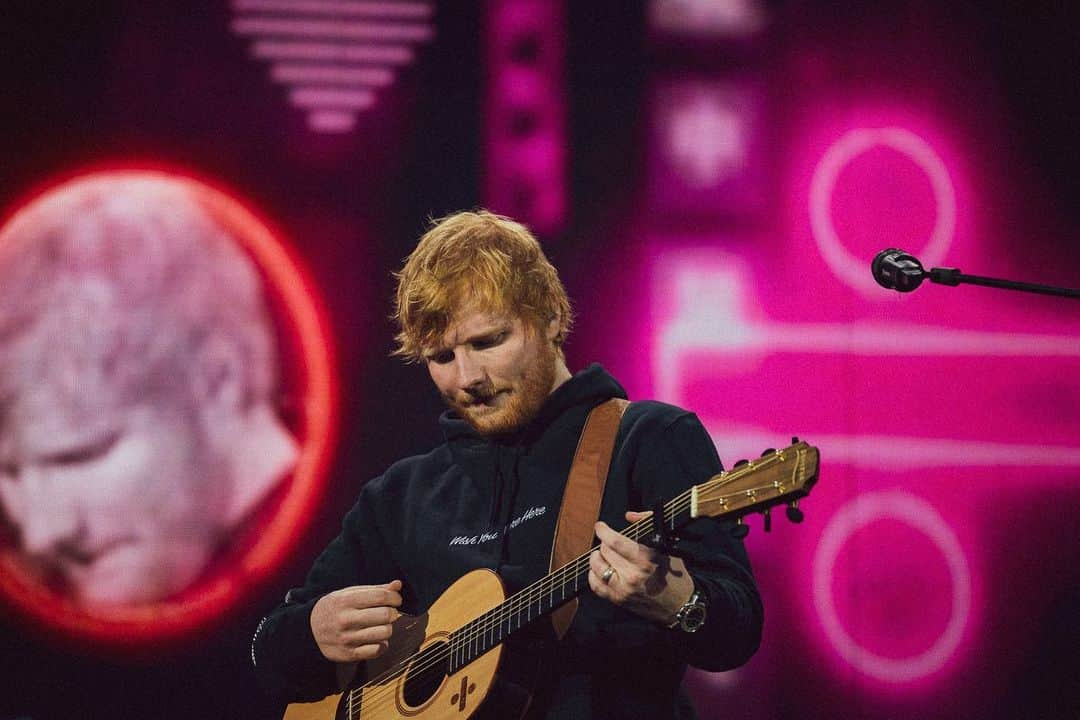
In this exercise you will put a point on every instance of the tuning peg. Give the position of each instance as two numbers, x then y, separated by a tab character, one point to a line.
794	514
769	451
768	520
742	462
741	529
794	440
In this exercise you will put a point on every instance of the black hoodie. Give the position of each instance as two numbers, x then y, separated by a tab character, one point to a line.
492	502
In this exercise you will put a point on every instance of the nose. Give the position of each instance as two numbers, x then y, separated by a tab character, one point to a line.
470	371
49	519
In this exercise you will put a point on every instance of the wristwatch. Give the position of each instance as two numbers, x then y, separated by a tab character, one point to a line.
691	616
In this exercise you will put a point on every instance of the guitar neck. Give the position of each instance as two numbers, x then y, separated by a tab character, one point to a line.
547	594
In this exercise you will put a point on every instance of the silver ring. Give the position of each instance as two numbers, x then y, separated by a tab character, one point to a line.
608	572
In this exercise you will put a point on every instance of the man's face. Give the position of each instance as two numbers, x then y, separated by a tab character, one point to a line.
494	370
113	509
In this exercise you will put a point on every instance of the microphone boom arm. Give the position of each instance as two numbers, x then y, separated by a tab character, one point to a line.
953	277
894	269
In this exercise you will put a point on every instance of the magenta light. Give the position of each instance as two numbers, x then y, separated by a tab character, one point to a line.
331	121
326	57
862	512
342	8
705	138
848	267
524	112
725	18
360	53
331	75
317	97
332	30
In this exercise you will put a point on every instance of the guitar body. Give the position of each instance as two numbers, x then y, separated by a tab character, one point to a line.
414	693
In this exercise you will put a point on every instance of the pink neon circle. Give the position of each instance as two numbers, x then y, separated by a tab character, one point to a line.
855	271
919	514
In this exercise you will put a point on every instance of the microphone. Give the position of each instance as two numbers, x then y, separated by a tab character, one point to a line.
894	269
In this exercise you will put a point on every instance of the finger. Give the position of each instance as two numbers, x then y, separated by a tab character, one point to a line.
368	636
597	566
366	596
367	617
635	516
616	547
367	652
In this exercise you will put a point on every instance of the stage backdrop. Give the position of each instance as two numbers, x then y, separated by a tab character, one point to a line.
203	205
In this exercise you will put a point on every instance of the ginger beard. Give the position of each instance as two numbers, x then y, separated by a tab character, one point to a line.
492	410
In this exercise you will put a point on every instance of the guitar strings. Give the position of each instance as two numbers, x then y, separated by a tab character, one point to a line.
505	611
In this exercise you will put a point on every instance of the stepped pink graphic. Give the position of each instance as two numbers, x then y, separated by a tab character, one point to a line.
333	56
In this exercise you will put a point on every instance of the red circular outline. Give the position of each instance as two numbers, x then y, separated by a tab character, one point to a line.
209	600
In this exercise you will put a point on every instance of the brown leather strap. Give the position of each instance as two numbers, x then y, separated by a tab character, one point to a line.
581	499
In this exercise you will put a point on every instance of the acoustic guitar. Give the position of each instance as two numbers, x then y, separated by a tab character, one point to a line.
443	663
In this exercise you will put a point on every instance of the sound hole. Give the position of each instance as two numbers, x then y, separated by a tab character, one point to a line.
425	674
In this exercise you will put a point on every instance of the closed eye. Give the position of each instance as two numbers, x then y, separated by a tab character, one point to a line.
85	452
489	341
441	358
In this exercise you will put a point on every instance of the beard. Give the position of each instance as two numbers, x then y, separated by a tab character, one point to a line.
523	400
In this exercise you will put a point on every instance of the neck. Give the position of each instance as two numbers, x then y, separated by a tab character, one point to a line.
562	373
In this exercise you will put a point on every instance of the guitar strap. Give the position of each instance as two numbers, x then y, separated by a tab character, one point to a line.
581	499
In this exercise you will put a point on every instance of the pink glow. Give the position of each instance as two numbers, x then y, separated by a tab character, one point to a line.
706	139
852	268
525	135
331	74
317	97
291	31
706	152
341	8
725	18
964	398
863	512
335	30
331	121
285	50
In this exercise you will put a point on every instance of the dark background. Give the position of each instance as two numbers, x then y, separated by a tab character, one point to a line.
106	83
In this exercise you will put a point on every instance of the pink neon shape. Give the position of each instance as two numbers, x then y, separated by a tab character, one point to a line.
919	514
338	7
331	29
331	121
706	139
316	97
285	50
732	18
309	41
855	270
331	75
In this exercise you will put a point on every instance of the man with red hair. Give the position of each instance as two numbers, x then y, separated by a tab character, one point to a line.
481	307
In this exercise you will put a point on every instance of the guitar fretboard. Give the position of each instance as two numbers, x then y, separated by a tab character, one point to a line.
493	627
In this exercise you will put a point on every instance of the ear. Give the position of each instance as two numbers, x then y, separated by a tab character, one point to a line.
218	378
554	327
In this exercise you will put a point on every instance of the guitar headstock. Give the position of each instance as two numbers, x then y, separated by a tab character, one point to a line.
778	477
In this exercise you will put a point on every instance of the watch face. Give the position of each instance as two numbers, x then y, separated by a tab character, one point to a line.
694	618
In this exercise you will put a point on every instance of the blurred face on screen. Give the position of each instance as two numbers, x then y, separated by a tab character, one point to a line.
115	506
138	374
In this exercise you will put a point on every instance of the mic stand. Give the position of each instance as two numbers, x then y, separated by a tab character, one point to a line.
953	277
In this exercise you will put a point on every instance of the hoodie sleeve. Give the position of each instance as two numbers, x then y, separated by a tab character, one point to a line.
287	660
681	455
